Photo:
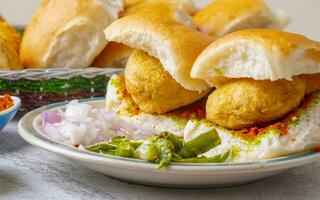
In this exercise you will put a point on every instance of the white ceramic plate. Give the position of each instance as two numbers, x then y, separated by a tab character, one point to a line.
177	175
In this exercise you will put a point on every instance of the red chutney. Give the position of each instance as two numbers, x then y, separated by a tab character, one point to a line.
6	102
318	148
195	110
282	126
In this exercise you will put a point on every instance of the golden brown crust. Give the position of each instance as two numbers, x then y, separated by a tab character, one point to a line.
284	42
152	88
9	47
10	35
219	16
313	82
175	45
246	103
185	5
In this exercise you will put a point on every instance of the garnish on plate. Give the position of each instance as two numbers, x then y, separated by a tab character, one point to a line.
163	149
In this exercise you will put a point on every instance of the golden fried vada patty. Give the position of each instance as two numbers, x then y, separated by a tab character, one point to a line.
313	82
152	88
245	103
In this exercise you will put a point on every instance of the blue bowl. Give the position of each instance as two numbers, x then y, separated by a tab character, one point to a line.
7	115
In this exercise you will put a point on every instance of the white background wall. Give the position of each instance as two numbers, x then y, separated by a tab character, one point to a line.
305	13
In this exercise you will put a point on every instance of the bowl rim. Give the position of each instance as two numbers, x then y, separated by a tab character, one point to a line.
38	139
16	105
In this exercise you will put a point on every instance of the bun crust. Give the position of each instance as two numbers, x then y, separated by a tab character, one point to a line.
259	54
9	47
175	45
185	5
162	8
67	33
225	16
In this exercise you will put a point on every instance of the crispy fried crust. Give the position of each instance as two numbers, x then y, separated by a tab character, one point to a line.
152	88
246	103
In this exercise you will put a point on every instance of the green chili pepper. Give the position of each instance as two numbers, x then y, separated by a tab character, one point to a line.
125	150
148	151
103	146
200	144
166	149
177	143
135	144
216	159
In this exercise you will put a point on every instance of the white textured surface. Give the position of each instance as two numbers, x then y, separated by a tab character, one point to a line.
29	173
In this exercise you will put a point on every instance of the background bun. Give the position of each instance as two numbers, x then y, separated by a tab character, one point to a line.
9	47
67	33
113	55
175	45
185	5
260	54
225	16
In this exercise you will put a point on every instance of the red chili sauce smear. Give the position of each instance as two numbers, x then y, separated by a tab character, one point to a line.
282	126
196	110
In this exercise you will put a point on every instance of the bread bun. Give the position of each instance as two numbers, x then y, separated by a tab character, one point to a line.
162	8
225	16
67	33
260	54
175	45
116	55
113	55
185	5
9	47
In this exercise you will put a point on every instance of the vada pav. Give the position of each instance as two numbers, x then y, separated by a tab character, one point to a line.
261	75
163	64
266	81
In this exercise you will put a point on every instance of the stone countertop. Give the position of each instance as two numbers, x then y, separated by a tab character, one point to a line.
28	172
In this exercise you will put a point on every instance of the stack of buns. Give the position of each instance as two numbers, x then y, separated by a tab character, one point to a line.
69	33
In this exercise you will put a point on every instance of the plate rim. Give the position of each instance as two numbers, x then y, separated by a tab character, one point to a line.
43	142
